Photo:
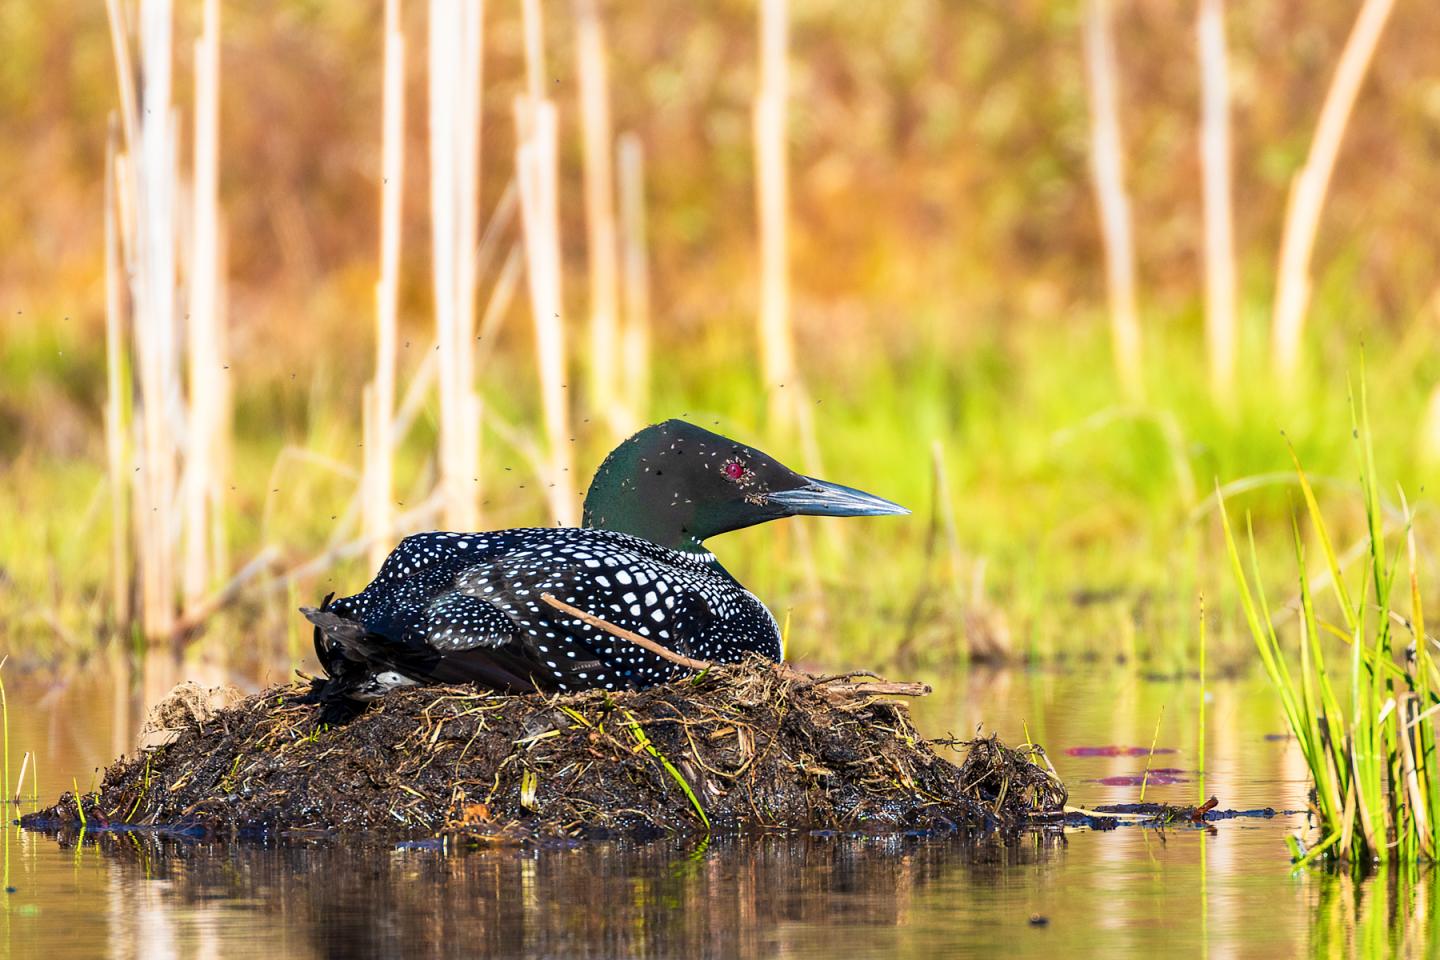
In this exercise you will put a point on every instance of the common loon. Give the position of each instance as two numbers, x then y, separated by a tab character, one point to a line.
468	607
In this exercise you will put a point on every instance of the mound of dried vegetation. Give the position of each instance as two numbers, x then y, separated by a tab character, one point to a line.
740	746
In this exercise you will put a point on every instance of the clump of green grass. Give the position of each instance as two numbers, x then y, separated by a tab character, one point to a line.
1377	784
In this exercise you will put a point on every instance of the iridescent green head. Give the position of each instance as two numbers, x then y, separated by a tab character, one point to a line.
676	484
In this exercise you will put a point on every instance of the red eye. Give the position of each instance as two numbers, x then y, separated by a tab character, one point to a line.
734	469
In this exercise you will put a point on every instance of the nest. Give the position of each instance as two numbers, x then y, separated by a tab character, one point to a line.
747	745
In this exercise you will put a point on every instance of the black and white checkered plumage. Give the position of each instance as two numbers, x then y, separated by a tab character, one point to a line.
467	607
450	607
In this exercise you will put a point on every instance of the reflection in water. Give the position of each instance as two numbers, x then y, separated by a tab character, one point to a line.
143	896
760	897
1393	911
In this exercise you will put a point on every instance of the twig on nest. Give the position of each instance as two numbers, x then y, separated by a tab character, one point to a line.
886	688
635	638
835	688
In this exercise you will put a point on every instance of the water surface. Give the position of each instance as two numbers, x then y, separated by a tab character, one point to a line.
1225	891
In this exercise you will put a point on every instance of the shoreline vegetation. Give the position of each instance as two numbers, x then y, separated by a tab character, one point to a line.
1370	750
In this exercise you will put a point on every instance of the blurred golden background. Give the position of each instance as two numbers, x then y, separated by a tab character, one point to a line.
987	233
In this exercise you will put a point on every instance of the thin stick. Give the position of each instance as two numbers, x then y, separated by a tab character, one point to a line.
880	688
1220	317
1107	164
635	638
832	686
1312	183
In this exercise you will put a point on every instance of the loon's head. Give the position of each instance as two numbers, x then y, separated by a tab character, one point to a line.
676	484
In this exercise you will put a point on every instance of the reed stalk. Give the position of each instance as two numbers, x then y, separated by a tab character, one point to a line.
1107	167
154	321
1311	185
537	175
635	281
126	82
206	373
1429	439
533	25
5	726
772	197
117	407
788	412
169	454
456	45
20	780
379	474
1200	723
597	142
1219	260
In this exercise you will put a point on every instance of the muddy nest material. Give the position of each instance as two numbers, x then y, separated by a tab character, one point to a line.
747	745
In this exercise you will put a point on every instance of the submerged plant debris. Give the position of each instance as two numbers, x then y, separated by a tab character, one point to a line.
739	746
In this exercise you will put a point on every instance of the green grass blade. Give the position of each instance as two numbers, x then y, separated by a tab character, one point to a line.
1327	547
644	741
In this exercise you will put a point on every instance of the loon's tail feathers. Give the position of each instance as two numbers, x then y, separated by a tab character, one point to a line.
324	652
362	665
333	626
351	681
475	644
340	640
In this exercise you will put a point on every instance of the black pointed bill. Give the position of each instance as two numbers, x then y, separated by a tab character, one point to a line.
821	499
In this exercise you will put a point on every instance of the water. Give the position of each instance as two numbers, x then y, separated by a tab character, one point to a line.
1226	891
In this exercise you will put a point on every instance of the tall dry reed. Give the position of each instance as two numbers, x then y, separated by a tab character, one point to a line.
117	396
380	408
772	197
635	280
597	141
167	442
207	431
1107	166
1219	246
456	47
537	174
1310	186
